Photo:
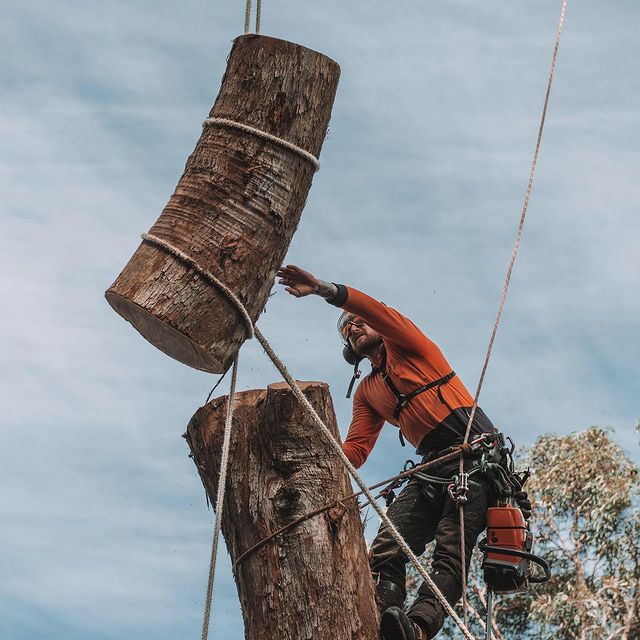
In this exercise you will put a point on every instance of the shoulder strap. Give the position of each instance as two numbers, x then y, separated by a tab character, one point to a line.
402	399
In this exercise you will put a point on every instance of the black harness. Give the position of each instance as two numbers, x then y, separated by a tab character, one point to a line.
403	399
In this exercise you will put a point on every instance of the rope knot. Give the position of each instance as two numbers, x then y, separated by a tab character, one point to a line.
466	449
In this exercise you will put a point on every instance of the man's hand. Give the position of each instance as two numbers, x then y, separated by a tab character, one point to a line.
301	283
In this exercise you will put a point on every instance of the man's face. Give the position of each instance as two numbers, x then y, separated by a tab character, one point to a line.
362	338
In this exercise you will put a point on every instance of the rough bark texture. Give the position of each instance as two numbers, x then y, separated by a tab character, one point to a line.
313	581
236	207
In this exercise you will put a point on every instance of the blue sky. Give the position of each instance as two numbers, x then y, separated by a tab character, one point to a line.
105	529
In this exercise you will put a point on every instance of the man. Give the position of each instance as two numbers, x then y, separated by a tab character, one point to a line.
412	387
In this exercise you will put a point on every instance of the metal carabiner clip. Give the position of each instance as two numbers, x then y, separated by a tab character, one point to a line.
459	489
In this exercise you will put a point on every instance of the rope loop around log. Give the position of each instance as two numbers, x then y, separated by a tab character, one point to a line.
225	122
207	275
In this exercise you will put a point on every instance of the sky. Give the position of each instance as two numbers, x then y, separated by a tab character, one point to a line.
105	529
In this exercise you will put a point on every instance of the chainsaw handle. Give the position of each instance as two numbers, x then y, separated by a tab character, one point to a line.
543	564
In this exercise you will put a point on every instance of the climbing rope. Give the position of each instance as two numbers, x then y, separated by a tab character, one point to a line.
222	481
516	246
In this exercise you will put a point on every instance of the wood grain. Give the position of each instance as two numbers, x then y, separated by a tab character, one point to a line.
313	581
236	206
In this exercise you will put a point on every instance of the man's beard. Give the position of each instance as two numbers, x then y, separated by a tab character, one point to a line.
366	347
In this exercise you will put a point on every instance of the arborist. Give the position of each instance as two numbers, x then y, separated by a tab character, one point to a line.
412	387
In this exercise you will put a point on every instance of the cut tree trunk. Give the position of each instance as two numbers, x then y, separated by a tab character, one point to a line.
236	207
312	581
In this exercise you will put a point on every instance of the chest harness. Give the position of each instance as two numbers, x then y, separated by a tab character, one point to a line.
403	399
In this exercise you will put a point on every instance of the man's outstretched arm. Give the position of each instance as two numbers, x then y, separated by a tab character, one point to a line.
388	322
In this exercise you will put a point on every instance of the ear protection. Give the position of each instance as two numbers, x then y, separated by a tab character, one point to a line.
354	359
350	355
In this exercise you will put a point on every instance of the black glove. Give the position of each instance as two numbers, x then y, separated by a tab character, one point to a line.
522	500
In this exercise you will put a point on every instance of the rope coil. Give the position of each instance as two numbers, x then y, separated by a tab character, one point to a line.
289	146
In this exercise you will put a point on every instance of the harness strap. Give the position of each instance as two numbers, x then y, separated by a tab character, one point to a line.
404	398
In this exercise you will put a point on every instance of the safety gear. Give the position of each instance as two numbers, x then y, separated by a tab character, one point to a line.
396	625
402	399
345	321
389	594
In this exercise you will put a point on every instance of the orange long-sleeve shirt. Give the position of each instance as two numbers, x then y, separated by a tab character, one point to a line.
412	360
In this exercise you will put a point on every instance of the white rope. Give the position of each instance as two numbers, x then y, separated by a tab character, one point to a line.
222	481
207	275
516	246
297	392
225	122
247	17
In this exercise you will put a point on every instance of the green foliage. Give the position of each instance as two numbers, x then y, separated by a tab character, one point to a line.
587	525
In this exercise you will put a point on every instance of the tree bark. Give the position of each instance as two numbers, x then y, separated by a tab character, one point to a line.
312	581
236	207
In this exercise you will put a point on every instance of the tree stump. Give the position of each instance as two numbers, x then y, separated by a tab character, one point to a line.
312	581
236	206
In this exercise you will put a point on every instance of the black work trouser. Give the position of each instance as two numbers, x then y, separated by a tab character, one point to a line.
420	519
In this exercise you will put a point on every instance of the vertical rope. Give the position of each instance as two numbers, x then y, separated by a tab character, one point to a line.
258	14
516	246
222	481
247	17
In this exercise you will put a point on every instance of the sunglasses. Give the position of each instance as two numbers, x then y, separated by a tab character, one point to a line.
347	322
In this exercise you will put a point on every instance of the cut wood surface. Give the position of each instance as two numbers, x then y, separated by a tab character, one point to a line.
313	581
236	207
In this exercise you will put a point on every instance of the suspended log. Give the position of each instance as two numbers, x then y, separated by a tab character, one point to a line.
236	207
312	581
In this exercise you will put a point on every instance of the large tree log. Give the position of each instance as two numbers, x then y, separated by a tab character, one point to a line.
313	581
236	207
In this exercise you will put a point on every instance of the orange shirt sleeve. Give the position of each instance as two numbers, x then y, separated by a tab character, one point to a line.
364	430
388	322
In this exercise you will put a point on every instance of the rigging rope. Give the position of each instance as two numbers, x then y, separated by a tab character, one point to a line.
222	481
225	122
247	16
516	246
